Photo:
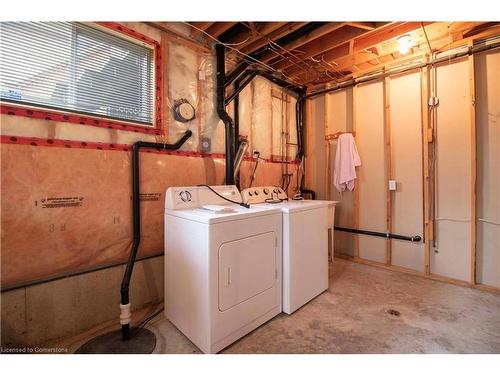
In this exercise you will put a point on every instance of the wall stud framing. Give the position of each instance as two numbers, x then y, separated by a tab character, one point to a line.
165	41
425	88
473	202
388	161
356	189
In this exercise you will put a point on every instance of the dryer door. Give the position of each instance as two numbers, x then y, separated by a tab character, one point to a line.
247	267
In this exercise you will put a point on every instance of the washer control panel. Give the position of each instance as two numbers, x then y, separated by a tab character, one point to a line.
178	198
262	194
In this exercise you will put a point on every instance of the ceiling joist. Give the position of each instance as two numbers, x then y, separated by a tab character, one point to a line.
312	53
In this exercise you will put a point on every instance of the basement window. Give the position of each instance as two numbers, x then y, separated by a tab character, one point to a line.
78	68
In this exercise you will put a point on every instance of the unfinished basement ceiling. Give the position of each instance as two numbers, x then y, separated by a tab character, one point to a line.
317	53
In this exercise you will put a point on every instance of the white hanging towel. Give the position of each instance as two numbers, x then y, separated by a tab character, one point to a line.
346	161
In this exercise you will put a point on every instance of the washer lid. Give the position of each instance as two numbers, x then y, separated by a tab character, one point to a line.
208	216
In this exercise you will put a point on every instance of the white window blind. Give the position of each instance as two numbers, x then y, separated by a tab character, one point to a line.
73	67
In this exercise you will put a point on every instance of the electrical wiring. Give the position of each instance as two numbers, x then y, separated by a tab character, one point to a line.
451	219
274	46
466	220
246	56
232	48
488	221
223	197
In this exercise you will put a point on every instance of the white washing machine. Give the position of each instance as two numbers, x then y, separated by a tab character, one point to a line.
223	266
305	242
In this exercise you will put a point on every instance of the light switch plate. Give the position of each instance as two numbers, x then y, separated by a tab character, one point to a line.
392	185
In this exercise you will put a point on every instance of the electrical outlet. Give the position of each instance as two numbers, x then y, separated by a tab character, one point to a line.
205	144
255	154
392	185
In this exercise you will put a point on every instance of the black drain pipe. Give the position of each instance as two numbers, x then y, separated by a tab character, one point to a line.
136	222
416	238
221	111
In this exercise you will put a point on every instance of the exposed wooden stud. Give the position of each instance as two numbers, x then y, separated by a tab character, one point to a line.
388	161
424	94
328	175
356	189
199	97
473	235
165	106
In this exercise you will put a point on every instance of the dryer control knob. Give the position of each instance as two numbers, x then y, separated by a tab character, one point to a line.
185	196
256	192
250	193
266	191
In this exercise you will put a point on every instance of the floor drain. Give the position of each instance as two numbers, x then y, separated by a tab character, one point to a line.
393	312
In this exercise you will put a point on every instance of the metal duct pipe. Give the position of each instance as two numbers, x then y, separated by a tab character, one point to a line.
221	111
136	223
239	157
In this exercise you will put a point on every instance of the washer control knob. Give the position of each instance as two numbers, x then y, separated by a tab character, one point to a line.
250	193
256	192
185	196
275	191
266	191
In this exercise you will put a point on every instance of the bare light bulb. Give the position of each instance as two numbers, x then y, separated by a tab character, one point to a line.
404	44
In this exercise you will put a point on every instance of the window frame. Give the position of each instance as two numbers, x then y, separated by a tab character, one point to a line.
61	115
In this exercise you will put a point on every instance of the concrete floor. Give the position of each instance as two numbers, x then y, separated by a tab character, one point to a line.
352	317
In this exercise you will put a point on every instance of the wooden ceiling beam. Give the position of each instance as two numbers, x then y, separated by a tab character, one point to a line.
274	35
362	59
219	28
335	53
248	35
324	44
480	28
442	37
200	25
363	25
308	37
385	33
